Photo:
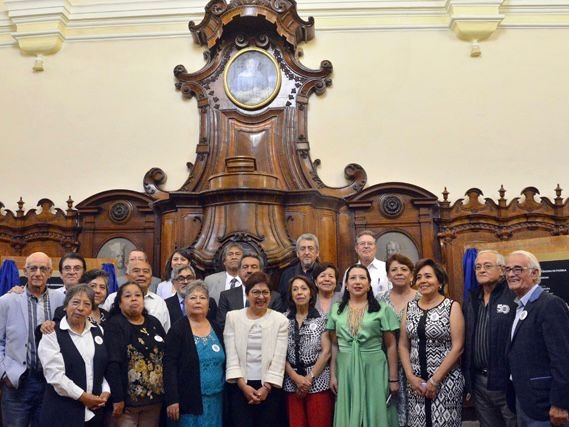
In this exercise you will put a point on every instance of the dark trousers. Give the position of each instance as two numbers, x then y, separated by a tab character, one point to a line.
491	406
271	412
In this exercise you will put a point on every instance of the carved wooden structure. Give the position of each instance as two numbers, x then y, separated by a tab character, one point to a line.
473	220
254	181
46	229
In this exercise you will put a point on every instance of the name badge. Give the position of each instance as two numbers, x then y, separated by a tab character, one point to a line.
434	317
503	308
216	348
158	338
523	315
99	340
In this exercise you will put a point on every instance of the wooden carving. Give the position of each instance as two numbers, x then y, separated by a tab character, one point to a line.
475	219
48	229
253	177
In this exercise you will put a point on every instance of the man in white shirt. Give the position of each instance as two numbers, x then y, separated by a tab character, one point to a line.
366	249
133	256
140	273
228	279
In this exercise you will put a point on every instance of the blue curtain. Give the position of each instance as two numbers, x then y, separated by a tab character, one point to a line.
468	271
9	276
113	285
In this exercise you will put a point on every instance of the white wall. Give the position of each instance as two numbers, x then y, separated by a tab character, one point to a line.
408	105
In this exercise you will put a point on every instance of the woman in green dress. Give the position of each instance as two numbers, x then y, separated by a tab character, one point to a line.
361	375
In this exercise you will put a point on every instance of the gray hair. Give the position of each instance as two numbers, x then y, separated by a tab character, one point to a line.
500	260
252	255
532	261
176	271
310	237
229	246
80	288
196	285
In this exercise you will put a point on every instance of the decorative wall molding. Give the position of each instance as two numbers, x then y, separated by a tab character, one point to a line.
474	20
42	26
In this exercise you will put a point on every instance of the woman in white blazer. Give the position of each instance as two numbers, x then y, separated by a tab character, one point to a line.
256	345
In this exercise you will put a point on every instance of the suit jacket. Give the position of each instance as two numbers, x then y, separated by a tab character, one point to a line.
175	310
538	355
232	299
14	329
216	284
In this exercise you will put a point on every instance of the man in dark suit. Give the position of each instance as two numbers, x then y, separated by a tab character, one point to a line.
538	354
183	277
234	299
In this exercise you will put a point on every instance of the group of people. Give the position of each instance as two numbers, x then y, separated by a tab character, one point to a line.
381	345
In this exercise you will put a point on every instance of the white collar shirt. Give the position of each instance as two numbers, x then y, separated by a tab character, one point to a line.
53	364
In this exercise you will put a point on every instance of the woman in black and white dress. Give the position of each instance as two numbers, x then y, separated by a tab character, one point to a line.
430	345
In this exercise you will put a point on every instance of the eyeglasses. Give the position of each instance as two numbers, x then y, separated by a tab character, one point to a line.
364	244
258	293
486	266
33	268
184	278
70	268
517	269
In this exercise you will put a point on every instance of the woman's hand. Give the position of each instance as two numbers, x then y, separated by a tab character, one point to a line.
333	383
251	395
118	409
104	397
173	411
431	390
91	401
47	327
417	384
263	392
303	383
394	387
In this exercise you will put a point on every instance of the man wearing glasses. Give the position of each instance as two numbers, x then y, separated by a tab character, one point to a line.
366	249
539	347
307	252
71	268
140	273
21	374
488	313
183	276
235	299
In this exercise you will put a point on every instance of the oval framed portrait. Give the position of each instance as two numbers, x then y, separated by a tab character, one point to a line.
252	78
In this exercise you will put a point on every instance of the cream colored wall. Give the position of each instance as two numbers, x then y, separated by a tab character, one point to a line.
408	105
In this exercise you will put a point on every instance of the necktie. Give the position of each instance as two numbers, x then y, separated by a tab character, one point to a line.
232	283
182	306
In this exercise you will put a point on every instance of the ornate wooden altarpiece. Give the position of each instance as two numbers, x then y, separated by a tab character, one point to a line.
253	179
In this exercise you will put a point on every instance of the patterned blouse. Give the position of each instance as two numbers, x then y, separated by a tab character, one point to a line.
145	352
304	347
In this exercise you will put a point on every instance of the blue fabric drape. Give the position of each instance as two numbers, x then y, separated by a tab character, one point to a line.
468	271
9	276
113	285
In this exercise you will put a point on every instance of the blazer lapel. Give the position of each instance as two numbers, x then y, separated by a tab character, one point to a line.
528	308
